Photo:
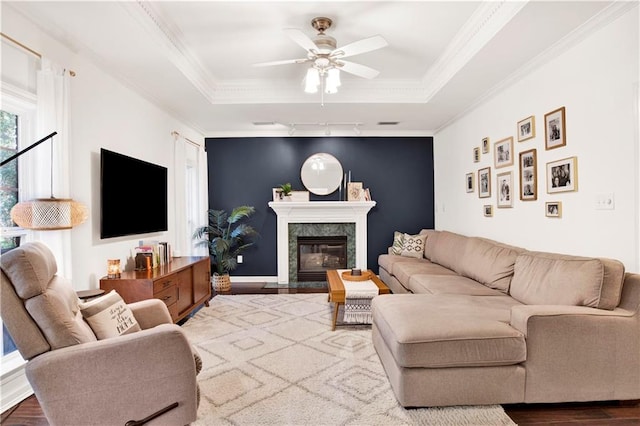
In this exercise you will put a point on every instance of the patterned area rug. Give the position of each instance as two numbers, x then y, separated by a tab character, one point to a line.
273	360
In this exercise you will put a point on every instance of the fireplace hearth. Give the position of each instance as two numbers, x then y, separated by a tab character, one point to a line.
318	254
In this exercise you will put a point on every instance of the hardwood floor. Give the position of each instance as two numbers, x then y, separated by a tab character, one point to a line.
615	413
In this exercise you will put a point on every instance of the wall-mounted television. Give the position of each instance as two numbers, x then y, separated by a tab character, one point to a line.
133	196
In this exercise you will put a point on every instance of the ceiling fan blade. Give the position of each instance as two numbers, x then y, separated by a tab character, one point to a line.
283	62
358	69
360	46
301	38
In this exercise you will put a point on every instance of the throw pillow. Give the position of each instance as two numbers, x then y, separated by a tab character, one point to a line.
108	316
398	240
413	245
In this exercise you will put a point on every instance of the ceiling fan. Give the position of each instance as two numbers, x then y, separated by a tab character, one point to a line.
323	52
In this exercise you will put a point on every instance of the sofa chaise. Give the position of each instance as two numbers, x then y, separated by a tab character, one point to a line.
473	321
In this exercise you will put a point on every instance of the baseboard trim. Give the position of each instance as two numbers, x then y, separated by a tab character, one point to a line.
15	388
252	279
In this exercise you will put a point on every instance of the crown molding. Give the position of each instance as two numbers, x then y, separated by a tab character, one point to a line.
488	19
169	37
605	17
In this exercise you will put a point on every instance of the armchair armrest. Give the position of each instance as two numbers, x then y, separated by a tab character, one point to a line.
150	312
115	380
586	354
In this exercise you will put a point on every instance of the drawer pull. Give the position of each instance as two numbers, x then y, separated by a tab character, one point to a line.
166	298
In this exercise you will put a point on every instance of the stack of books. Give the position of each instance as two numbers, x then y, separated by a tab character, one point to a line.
151	254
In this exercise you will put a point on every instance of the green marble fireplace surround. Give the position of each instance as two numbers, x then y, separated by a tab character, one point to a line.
319	230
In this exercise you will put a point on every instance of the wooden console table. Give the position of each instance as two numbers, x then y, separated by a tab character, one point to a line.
183	285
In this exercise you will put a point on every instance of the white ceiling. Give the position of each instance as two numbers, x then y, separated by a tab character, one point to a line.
194	59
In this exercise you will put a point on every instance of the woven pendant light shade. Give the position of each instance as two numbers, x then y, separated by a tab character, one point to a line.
49	213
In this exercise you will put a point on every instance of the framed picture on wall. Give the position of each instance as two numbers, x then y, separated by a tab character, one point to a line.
526	129
488	210
485	145
484	182
469	182
505	189
503	152
562	175
528	176
554	129
476	155
553	209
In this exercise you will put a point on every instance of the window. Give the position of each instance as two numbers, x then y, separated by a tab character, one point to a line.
16	120
8	178
8	197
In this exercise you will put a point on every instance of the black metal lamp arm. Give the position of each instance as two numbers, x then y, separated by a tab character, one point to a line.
18	154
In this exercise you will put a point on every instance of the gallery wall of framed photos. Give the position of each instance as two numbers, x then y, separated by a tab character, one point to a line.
561	175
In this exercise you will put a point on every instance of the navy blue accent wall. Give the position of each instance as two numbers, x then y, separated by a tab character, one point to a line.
397	170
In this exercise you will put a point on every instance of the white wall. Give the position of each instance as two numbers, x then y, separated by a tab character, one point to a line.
597	81
104	114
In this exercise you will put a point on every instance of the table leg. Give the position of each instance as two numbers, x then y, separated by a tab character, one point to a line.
335	316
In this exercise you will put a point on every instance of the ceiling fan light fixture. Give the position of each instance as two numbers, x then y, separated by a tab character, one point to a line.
312	80
333	80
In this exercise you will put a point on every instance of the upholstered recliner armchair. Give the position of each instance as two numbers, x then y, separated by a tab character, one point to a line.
144	376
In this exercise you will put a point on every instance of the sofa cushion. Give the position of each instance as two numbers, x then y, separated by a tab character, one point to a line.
555	279
388	261
404	270
449	284
398	239
413	245
429	245
489	263
448	249
434	331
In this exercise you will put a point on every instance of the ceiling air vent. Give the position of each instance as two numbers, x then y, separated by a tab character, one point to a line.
388	123
263	123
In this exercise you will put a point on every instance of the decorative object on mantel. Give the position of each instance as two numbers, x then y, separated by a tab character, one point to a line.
47	214
299	196
226	242
282	192
355	192
321	173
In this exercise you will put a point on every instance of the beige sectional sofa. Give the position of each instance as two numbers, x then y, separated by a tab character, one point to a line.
475	321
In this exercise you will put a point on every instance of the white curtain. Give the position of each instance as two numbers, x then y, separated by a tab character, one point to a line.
52	115
191	197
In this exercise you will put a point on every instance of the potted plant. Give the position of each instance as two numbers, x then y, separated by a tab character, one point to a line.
285	191
226	238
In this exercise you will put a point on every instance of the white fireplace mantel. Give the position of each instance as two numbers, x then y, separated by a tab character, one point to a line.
320	212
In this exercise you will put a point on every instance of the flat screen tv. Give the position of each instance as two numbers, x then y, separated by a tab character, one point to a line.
133	196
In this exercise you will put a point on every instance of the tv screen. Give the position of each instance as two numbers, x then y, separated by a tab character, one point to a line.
133	196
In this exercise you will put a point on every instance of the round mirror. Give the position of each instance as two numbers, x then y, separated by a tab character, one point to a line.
321	173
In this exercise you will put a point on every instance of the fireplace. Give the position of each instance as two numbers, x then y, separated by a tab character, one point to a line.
318	254
320	213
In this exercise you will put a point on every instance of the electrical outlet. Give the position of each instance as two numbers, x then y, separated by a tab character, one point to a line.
605	201
240	259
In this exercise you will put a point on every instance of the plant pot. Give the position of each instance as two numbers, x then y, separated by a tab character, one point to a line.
221	282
